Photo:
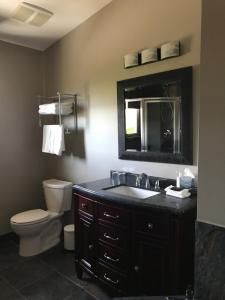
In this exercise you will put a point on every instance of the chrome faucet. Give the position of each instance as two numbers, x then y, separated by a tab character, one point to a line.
141	177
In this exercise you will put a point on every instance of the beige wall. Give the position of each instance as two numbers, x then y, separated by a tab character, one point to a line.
211	204
20	160
89	61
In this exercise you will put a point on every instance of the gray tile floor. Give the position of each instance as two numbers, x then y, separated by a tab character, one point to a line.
48	276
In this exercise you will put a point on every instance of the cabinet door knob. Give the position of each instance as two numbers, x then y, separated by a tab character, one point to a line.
84	205
150	226
90	247
136	268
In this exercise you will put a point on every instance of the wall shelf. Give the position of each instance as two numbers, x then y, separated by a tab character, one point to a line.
60	98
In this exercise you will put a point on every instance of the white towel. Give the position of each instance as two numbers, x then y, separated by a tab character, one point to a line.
53	139
53	109
180	194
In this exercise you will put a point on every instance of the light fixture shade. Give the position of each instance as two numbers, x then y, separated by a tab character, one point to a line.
31	14
170	49
149	55
131	60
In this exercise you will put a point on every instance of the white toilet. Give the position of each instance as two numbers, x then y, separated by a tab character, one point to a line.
39	229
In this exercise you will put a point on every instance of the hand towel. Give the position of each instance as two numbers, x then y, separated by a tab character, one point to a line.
53	139
179	194
53	109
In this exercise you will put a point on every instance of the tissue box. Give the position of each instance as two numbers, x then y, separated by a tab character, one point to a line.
186	182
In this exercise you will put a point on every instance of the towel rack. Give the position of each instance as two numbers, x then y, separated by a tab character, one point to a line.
59	97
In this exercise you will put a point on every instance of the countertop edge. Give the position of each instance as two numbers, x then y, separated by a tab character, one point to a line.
165	203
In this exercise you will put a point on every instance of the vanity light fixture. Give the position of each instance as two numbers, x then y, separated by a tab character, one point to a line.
31	14
153	54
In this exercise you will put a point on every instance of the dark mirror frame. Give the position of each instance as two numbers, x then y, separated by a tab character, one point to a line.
184	76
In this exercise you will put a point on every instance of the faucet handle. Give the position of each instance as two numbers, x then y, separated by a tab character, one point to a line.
157	186
115	178
147	183
138	181
122	177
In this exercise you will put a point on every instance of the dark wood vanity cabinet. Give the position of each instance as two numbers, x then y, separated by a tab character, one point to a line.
86	234
133	250
151	265
86	242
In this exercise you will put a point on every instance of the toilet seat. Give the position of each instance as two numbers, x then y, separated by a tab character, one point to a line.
30	217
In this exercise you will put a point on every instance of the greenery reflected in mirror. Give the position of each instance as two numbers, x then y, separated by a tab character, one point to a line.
155	117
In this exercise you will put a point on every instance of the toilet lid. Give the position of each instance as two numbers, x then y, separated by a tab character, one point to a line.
57	184
30	216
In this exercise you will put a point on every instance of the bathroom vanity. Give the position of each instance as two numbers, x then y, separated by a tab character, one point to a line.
134	246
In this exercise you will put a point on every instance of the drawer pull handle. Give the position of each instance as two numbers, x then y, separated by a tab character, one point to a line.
84	205
110	258
110	237
110	280
150	226
110	216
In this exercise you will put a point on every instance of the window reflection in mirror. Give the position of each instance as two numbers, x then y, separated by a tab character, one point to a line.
153	124
155	117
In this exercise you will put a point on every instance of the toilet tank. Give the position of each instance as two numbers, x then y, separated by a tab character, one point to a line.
58	195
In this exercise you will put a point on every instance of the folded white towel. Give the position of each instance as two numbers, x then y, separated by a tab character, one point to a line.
53	139
53	109
180	194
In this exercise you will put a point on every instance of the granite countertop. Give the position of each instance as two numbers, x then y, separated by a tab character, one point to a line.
160	201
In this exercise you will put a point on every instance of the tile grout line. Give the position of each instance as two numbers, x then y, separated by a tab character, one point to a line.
14	288
53	269
70	280
6	268
32	282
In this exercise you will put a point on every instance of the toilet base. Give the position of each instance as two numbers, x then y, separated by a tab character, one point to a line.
32	246
36	244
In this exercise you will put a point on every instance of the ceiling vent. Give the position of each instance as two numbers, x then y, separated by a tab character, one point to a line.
31	14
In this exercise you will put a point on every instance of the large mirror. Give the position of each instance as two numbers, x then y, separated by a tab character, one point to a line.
155	117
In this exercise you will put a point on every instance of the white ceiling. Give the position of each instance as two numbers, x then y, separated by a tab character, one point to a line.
68	14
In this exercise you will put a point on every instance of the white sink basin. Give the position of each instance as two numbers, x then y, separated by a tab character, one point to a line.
132	192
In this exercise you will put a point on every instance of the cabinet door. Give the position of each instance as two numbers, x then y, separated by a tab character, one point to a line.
85	242
151	266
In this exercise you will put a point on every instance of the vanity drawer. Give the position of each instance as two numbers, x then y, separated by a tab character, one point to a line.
113	257
113	235
112	278
113	214
86	205
153	224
